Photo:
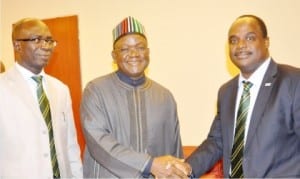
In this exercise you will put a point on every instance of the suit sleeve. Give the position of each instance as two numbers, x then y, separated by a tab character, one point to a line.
73	147
210	150
296	111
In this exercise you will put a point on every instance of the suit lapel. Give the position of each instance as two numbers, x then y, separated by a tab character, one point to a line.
18	84
230	111
262	99
52	96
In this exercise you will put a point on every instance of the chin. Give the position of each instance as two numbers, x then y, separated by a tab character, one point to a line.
136	76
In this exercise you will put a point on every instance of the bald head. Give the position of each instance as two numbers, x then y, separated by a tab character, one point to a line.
261	24
24	27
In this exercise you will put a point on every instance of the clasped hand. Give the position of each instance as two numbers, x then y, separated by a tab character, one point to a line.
170	167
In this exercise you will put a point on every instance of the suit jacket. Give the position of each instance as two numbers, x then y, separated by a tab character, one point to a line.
24	141
272	147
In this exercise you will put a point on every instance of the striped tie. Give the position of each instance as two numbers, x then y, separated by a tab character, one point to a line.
45	109
238	145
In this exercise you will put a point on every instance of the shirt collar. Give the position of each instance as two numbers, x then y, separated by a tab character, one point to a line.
126	79
258	75
26	73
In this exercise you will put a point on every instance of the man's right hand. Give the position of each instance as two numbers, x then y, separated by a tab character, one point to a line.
170	167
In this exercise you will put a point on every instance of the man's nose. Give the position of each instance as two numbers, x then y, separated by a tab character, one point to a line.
133	52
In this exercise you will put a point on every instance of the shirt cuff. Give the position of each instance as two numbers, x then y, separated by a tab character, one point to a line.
191	175
147	171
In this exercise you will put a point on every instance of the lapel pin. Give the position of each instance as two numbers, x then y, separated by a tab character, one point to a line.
268	84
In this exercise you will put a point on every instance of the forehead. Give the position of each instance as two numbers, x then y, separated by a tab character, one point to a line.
131	39
32	28
244	26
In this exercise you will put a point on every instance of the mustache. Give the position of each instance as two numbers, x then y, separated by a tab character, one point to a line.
242	52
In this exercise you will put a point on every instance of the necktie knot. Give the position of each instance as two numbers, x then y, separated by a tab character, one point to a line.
247	85
38	79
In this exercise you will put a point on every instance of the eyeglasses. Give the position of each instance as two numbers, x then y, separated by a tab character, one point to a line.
39	41
127	50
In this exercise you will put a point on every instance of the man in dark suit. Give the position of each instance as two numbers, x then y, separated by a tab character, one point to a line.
269	136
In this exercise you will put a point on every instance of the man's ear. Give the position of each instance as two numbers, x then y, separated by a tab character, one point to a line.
113	55
17	45
267	42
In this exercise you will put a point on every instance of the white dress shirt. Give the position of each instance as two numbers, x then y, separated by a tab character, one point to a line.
256	79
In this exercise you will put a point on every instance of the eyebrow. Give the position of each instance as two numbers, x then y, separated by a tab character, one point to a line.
40	36
140	43
249	33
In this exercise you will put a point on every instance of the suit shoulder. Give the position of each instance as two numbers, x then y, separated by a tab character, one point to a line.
229	84
56	81
288	69
288	72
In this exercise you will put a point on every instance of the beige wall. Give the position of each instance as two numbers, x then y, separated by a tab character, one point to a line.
1	27
187	40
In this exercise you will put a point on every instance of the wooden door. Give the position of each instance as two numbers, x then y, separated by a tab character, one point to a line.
65	62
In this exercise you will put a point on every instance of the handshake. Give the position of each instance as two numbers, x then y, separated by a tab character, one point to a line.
170	167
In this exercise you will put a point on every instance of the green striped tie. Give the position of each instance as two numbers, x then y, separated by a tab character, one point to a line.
238	145
45	109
